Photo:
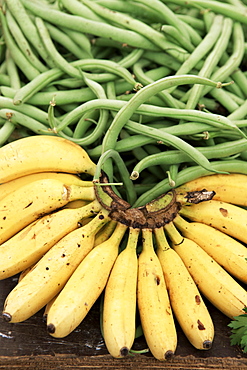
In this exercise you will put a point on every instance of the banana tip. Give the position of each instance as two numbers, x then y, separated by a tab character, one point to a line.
124	351
169	354
207	344
51	328
6	316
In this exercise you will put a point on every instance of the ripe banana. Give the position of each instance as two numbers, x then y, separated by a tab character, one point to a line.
217	285
153	302
48	306
186	301
84	286
105	232
228	252
51	272
31	201
41	153
230	188
76	204
119	308
225	217
27	246
66	178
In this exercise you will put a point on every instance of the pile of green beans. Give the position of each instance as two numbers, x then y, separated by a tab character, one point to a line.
154	91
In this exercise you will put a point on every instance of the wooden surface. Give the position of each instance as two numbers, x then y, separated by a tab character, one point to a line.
28	346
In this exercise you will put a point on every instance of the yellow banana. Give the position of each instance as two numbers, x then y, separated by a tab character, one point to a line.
48	306
34	200
227	251
66	178
225	217
27	246
217	285
119	309
230	188
25	272
84	286
153	302
41	153
186	301
105	232
76	204
51	272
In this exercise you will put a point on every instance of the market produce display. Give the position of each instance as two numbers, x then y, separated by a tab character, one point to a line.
123	167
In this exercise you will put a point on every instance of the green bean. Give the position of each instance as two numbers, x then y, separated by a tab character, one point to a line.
23	120
29	110
23	43
134	141
126	112
168	15
36	84
172	33
139	154
26	67
61	97
101	125
231	11
240	79
28	28
46	78
145	30
4	79
239	113
84	125
77	8
66	41
158	73
12	71
189	174
171	157
211	62
204	47
234	60
172	174
5	131
167	61
58	59
194	22
152	149
225	99
145	109
166	97
193	153
81	40
139	11
129	187
84	25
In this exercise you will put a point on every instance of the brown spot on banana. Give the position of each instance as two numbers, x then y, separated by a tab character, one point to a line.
200	325
224	212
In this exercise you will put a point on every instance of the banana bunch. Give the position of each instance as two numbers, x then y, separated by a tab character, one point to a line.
71	244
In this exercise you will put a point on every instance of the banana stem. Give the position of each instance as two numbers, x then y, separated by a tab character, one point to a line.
173	233
161	240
